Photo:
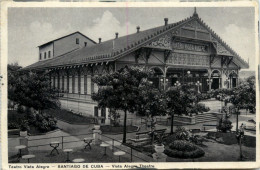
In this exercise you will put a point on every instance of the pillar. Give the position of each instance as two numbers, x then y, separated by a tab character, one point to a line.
56	81
24	141
95	87
82	84
52	81
70	84
61	82
88	84
76	84
65	83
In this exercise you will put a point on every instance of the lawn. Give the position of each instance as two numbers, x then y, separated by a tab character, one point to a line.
70	117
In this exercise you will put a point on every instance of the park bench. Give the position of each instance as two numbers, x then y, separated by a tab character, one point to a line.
206	125
142	137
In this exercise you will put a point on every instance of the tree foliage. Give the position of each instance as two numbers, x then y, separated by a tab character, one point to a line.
120	90
31	89
244	95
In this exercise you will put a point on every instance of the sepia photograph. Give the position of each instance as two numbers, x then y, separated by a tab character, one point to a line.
130	84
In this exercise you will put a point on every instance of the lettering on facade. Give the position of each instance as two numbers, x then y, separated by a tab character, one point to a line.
190	47
188	59
163	42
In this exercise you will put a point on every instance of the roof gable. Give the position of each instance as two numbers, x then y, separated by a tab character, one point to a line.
158	37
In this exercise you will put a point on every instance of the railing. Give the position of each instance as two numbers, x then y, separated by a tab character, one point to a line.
115	144
128	150
61	139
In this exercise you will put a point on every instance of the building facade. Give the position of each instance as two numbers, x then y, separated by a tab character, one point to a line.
186	51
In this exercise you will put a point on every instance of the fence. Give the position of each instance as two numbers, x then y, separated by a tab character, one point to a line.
68	141
134	155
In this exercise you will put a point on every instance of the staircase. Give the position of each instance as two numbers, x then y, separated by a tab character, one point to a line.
205	117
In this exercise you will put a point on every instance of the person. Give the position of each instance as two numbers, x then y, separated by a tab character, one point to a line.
242	129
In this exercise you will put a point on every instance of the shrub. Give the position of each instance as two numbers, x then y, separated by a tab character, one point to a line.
24	125
183	149
224	125
20	109
181	133
13	125
182	145
169	139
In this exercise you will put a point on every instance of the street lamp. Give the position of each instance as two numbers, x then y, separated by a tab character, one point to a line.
227	82
177	83
164	82
198	84
209	81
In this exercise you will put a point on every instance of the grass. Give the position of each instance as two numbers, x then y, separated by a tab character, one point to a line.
70	117
108	129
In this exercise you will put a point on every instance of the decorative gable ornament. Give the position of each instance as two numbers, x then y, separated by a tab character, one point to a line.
221	50
162	42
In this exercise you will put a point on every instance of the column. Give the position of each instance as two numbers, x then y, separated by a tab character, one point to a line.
88	84
82	84
95	87
61	82
56	81
76	84
65	83
52	81
70	84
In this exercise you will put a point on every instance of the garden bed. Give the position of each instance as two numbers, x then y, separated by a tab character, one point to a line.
15	120
70	117
108	129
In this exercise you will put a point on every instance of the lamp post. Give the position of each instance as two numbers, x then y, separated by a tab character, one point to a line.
209	81
177	83
198	84
164	82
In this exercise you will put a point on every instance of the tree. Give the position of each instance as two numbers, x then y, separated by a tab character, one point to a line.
31	89
244	96
120	90
180	100
151	103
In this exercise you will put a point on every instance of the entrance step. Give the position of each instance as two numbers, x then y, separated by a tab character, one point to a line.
206	117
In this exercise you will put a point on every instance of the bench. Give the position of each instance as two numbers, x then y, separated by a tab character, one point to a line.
204	126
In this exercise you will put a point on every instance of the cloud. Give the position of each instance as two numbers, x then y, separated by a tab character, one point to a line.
240	40
106	26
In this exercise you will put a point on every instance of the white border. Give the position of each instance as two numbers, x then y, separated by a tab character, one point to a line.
168	165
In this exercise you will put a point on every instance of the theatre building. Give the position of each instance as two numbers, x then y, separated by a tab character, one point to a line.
186	51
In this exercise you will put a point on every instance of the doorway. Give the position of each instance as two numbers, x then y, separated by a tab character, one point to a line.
215	83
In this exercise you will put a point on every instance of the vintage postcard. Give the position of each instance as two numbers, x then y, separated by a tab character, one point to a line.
129	85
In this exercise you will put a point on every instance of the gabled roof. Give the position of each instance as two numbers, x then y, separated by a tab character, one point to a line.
115	48
68	36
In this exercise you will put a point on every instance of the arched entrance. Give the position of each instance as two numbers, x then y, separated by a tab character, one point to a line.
216	79
232	79
157	77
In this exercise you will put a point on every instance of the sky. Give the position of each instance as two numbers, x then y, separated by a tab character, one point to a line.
30	27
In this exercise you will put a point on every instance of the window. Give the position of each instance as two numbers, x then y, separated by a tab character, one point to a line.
44	55
40	56
62	83
77	41
95	111
86	44
49	54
